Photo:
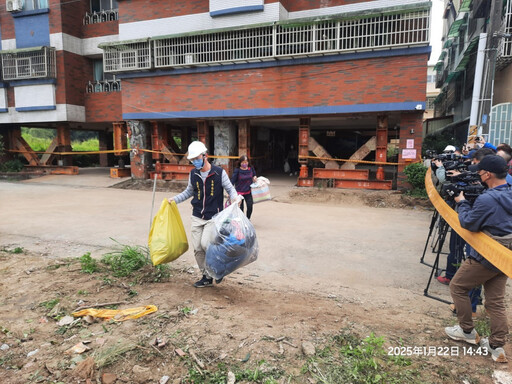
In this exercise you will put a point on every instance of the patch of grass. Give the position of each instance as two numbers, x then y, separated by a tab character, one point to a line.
348	359
50	304
16	250
107	356
483	326
126	260
261	373
89	265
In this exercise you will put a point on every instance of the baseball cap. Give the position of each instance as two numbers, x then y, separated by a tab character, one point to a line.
491	163
449	148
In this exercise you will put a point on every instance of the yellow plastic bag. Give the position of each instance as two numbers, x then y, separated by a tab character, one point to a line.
167	239
117	314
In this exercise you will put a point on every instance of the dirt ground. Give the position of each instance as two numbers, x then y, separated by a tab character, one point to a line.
359	274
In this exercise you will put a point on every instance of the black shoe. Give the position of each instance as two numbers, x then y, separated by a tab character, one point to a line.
218	281
204	282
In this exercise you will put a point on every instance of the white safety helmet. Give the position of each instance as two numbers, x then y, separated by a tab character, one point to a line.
195	149
449	148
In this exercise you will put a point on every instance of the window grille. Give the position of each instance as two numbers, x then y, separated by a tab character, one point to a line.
277	41
108	85
29	63
127	56
101	16
505	43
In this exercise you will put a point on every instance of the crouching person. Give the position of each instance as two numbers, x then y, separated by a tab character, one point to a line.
491	213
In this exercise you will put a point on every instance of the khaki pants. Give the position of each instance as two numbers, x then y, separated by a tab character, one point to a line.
470	275
203	233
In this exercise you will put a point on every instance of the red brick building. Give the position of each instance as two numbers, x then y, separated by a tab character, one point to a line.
334	78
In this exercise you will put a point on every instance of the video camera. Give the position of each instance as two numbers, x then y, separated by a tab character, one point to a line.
467	182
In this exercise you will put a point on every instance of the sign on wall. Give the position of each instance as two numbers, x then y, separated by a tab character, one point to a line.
226	7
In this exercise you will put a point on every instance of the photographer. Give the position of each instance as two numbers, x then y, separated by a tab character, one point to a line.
491	212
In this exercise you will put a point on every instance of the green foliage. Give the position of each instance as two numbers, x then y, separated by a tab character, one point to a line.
89	265
1	145
126	259
15	165
88	145
16	250
347	359
261	373
50	304
438	141
416	177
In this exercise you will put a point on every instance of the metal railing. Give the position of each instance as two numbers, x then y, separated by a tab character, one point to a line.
101	16
271	42
112	85
29	63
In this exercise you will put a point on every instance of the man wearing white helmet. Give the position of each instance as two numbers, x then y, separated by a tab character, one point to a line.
206	185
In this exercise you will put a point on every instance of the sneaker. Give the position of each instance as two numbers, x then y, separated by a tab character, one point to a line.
443	280
218	281
456	333
497	354
204	282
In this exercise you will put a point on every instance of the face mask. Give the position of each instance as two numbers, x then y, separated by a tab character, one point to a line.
198	163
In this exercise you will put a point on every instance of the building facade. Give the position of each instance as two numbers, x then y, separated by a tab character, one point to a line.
474	72
333	78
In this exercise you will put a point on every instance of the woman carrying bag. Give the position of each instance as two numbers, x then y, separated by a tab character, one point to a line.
242	178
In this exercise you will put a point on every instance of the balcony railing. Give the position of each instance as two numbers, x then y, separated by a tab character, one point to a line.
28	63
270	42
101	16
112	85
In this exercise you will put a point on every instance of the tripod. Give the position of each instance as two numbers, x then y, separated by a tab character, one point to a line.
455	256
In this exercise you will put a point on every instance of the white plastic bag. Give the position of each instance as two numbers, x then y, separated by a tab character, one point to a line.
260	190
286	166
235	244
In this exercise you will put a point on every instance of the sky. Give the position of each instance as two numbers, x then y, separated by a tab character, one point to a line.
436	31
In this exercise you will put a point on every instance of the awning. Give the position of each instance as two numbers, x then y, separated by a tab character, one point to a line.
439	66
455	27
464	7
448	43
467	54
452	76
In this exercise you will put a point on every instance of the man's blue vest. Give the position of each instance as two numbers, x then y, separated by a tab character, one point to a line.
208	197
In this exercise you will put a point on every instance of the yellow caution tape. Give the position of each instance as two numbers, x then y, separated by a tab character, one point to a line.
350	161
117	314
497	254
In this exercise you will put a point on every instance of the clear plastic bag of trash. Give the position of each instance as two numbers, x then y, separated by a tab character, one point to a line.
235	243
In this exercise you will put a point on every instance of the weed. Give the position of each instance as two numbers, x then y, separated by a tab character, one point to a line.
348	359
16	250
185	310
161	272
262	373
132	293
89	265
483	326
82	292
50	304
126	260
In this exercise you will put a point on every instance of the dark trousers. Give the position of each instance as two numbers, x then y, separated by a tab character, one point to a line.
248	199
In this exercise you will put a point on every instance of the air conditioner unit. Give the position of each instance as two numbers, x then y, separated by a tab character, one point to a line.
13	5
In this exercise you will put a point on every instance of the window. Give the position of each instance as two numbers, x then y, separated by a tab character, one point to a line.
28	64
103	5
30	5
